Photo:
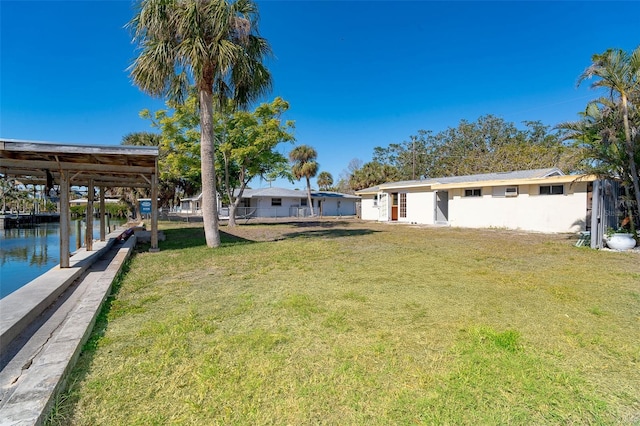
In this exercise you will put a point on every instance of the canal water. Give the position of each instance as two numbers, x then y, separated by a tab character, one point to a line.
26	253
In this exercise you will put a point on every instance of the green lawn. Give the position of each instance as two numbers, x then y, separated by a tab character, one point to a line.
346	322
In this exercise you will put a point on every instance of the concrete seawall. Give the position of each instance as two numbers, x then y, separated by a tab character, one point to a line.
44	325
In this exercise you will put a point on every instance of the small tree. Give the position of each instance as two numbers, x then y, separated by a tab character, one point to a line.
304	164
248	149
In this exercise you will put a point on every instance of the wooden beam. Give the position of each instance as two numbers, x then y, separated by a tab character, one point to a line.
50	148
103	233
154	214
77	167
88	235
65	220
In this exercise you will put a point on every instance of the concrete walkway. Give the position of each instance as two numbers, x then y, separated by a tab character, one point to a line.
41	338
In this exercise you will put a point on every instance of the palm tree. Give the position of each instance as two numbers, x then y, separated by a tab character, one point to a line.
304	162
325	180
619	72
213	44
141	139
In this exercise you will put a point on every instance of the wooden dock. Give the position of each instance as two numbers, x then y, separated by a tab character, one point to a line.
21	220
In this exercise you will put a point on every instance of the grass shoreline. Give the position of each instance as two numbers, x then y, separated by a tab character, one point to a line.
347	322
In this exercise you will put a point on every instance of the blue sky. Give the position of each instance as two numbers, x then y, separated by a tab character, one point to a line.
357	74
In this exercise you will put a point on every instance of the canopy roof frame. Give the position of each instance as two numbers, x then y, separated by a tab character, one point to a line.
46	163
108	166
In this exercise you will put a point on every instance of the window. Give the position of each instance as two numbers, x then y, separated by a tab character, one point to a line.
276	202
551	189
477	192
511	191
403	204
375	200
303	202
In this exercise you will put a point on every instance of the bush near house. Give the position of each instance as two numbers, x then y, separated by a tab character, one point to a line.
119	210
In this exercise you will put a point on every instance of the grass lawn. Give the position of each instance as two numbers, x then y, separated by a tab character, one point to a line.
346	322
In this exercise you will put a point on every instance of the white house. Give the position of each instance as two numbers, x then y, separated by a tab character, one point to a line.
280	202
543	200
191	205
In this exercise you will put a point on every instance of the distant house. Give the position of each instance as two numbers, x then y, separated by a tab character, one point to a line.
280	202
543	200
84	201
191	205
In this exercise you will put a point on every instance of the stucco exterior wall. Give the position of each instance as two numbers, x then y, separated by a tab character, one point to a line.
528	211
369	210
265	209
419	208
330	206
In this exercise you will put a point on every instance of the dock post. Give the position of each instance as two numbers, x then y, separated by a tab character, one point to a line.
65	219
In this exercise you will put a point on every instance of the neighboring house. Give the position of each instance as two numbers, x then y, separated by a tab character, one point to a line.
280	202
191	205
543	200
84	201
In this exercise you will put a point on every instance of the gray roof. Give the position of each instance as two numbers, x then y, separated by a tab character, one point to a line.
292	193
273	193
517	174
283	193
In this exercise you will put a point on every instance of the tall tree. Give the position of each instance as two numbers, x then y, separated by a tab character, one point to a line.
304	165
325	181
141	139
490	144
619	73
371	174
214	43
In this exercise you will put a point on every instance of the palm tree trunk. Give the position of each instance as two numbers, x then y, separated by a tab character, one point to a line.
630	151
207	159
309	196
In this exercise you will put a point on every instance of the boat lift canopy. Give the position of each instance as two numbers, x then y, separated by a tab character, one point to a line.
66	165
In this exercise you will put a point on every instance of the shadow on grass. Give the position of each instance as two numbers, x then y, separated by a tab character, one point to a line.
328	233
309	229
187	237
181	238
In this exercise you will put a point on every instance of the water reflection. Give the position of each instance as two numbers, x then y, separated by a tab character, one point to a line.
26	253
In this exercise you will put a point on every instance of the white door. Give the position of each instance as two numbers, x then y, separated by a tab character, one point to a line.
383	206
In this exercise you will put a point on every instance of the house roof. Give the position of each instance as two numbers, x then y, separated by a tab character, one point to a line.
371	190
284	193
292	193
331	194
518	177
273	193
